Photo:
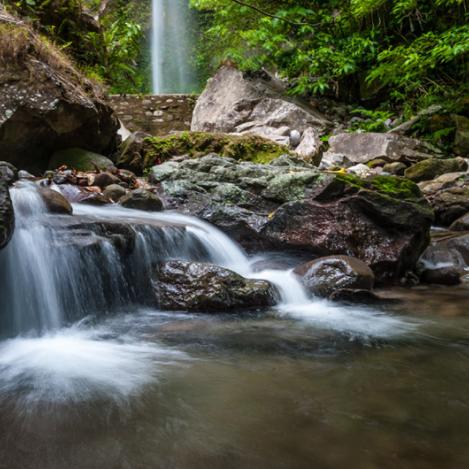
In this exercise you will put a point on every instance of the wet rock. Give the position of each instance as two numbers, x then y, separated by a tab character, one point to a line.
461	224
234	102
451	250
441	276
8	172
47	104
349	149
80	159
199	287
354	296
22	174
114	192
327	275
434	167
105	179
142	199
55	201
7	218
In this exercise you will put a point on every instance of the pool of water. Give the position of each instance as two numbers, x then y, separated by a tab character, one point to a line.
277	390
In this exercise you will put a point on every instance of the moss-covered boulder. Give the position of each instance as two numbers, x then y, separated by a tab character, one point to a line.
46	103
155	150
434	167
79	159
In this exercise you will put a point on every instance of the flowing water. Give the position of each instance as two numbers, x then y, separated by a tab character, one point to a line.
91	378
172	47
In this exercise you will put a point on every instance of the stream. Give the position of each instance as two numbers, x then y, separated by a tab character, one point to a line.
92	378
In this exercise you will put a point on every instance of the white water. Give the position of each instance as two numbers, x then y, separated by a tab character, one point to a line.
171	47
43	284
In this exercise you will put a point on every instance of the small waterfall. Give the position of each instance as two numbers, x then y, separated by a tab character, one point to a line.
171	47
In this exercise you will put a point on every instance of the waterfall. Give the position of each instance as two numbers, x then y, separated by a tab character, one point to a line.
171	47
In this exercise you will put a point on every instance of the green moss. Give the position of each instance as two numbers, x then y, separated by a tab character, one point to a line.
391	186
195	144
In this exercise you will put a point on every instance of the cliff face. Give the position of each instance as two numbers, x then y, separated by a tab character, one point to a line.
45	103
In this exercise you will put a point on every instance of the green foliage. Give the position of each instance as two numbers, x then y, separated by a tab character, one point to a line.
414	50
373	121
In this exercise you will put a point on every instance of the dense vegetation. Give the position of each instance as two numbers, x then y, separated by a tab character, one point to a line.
404	54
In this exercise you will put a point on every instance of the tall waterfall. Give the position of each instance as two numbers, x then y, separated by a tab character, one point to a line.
171	47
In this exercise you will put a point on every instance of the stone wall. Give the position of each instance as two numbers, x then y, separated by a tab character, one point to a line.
157	115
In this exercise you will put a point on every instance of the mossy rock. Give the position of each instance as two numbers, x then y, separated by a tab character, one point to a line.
194	144
433	167
82	160
391	186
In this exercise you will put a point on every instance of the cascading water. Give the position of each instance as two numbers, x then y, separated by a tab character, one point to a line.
51	281
171	47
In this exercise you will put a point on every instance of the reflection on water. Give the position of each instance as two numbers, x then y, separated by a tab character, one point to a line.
229	392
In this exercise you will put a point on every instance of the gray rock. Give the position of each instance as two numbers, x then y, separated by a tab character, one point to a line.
235	103
461	224
8	172
348	149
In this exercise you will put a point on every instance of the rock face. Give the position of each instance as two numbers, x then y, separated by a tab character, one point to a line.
142	199
434	167
45	103
7	220
199	287
329	275
290	205
349	149
233	102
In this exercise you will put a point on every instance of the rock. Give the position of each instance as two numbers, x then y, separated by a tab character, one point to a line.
234	102
295	138
449	251
353	296
114	192
434	167
441	276
199	287
22	174
131	152
79	159
327	275
47	104
8	173
142	199
55	201
290	205
105	179
461	224
7	218
361	170
396	168
349	149
461	138
385	233
310	145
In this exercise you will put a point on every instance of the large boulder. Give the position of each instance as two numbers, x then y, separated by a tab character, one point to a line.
79	159
234	102
45	103
199	287
434	167
349	149
290	205
331	274
7	220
